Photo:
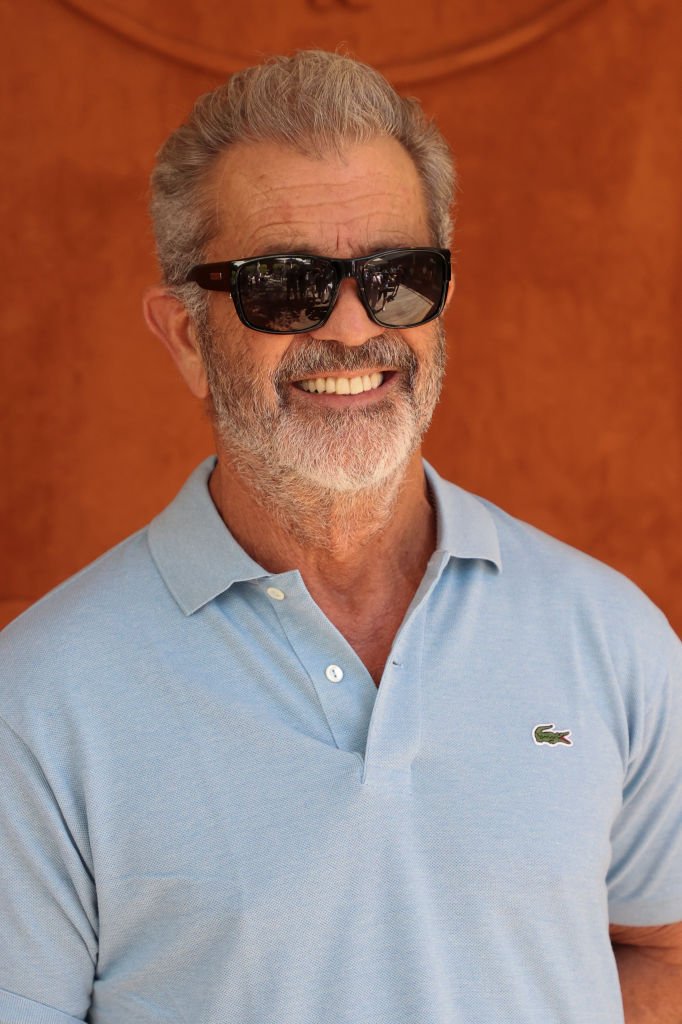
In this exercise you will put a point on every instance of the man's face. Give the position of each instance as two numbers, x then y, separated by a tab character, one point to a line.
271	199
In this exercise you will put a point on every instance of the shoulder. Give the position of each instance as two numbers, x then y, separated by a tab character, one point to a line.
120	572
559	595
565	573
81	634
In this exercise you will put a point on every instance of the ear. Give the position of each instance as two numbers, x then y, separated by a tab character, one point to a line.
168	319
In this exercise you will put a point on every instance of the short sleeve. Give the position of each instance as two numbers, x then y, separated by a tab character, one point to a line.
48	920
645	878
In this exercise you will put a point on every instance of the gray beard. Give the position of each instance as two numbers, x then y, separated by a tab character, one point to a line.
322	471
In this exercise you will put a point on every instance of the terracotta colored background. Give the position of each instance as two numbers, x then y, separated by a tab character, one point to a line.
563	394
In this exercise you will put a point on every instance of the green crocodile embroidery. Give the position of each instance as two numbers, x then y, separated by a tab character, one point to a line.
544	734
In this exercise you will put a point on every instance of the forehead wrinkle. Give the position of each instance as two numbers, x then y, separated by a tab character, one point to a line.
366	208
276	229
376	203
344	187
306	236
260	196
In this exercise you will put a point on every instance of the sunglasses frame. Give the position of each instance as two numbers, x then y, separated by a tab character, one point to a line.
224	277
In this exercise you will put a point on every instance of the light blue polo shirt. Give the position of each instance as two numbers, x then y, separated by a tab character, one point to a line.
209	813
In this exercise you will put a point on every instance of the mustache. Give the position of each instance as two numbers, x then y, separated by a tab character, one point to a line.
322	357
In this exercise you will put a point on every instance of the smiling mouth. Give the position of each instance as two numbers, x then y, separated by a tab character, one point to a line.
342	385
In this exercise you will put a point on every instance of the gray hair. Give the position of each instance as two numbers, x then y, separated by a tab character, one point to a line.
314	101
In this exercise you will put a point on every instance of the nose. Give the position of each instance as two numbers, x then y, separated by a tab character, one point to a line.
349	322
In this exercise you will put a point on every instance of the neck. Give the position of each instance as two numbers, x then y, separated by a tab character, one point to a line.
341	542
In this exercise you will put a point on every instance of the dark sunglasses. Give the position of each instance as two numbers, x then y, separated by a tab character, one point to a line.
291	293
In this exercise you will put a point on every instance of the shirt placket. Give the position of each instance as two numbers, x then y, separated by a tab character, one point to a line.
394	735
344	688
382	727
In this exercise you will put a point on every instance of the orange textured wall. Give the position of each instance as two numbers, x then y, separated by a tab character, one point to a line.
562	401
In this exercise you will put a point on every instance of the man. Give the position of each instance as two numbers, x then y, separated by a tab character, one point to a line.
331	739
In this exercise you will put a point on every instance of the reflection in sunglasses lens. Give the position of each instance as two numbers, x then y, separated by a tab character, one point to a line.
284	293
293	293
404	289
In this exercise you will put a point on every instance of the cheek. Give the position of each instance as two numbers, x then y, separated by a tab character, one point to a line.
425	343
247	354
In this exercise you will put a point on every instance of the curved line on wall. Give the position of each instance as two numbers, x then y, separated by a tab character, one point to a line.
411	70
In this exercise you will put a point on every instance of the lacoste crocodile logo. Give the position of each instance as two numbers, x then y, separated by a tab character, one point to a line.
544	734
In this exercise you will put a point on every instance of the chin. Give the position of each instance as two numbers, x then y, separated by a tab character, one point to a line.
342	475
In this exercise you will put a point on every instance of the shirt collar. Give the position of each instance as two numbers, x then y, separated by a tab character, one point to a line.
199	558
466	527
194	551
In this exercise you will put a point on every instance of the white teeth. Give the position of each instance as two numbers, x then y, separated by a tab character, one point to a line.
342	385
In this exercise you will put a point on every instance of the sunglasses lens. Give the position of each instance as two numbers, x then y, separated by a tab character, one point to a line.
285	294
405	289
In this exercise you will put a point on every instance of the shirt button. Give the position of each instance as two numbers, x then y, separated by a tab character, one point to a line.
333	673
275	593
